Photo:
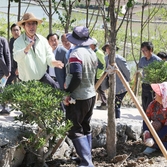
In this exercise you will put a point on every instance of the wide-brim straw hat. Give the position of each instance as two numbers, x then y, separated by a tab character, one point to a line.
27	17
80	36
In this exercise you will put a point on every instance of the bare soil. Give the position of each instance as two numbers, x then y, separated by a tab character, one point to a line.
129	154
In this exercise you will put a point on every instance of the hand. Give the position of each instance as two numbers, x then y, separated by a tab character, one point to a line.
17	72
8	75
28	47
66	100
58	64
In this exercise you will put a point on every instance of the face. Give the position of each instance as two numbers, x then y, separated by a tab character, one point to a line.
15	32
30	28
92	46
147	53
107	49
53	42
158	98
65	42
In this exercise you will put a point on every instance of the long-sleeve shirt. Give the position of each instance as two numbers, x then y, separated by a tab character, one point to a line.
33	65
155	112
5	59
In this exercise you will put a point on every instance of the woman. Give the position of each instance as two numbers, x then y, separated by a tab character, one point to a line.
157	114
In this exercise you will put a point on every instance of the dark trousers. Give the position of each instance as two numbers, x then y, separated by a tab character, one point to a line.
118	103
12	77
102	95
80	114
147	97
49	80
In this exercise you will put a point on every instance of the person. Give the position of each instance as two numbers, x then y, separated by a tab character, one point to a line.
162	55
60	54
33	53
5	66
100	70
157	114
147	92
81	71
120	89
16	32
68	45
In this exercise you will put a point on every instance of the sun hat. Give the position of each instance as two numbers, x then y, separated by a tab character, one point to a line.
156	89
80	36
104	47
94	41
28	17
161	89
107	44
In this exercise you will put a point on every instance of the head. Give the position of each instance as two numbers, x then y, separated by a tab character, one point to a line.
94	44
162	55
29	23
15	30
147	49
160	90
106	48
65	42
53	40
80	36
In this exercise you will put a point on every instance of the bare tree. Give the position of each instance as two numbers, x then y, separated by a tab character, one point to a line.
48	10
111	30
65	18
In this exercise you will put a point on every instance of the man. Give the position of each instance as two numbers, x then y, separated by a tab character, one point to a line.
16	31
81	68
33	53
60	54
5	66
149	57
65	42
100	70
120	89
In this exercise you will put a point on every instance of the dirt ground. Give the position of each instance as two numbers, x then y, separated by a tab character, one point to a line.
129	154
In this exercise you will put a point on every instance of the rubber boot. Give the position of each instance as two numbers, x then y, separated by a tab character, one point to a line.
83	150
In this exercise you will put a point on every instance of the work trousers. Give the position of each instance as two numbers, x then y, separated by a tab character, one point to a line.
80	114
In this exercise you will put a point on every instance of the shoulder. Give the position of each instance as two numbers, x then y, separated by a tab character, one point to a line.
100	52
155	57
61	48
119	58
3	39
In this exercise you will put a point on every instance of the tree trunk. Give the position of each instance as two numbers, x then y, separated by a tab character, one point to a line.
8	33
50	16
111	129
19	10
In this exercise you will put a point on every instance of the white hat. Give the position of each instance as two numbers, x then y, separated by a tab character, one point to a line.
94	41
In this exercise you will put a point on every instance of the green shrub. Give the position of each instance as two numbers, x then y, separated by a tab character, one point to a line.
40	106
155	72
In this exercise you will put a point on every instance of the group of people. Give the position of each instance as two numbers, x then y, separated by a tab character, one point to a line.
75	67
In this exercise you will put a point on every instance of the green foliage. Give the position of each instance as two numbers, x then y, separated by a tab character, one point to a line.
40	105
155	72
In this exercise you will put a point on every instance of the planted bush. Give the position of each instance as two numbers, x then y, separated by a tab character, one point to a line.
40	105
155	72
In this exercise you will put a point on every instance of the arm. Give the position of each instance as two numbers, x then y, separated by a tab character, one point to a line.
123	67
5	59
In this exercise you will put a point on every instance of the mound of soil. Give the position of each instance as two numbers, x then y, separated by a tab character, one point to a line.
129	154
